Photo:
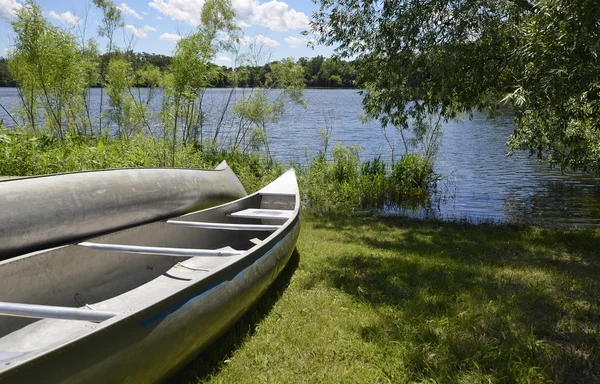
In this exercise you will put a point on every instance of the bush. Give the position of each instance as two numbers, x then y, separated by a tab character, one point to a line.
345	162
344	184
373	168
413	171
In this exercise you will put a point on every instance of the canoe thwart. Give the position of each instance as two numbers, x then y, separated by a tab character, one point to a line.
263	214
160	251
53	312
276	193
226	226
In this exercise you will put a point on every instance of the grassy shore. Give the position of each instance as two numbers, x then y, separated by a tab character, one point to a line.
398	300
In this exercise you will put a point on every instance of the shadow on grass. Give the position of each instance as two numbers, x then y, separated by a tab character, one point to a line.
502	301
211	361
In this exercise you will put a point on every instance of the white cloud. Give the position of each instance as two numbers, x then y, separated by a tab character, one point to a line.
184	10
243	24
8	9
259	40
140	32
128	11
158	18
65	17
275	15
298	41
137	32
170	37
224	59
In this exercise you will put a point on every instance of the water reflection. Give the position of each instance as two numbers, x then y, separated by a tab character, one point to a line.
555	203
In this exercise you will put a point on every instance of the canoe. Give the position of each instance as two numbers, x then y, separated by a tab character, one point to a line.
133	306
43	211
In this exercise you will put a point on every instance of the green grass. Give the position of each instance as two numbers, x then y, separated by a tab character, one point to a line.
397	300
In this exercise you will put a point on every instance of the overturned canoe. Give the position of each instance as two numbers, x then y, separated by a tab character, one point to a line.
51	210
135	305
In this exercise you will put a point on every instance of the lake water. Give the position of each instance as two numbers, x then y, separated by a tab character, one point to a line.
481	182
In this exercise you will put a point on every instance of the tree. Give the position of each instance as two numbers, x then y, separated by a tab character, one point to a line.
335	81
192	72
111	21
50	70
262	107
558	94
420	57
123	110
6	79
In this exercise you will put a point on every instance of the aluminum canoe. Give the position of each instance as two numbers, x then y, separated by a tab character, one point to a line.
135	305
43	211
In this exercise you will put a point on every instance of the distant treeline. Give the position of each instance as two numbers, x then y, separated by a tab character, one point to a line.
319	71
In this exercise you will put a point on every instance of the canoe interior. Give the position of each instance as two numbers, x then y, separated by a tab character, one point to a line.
76	276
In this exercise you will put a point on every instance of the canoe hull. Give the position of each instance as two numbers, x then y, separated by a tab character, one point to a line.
41	212
167	335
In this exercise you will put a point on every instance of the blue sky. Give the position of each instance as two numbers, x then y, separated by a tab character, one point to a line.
155	25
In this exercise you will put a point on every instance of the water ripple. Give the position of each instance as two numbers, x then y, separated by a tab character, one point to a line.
482	183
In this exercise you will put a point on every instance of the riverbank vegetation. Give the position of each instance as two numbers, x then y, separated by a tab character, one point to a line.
397	300
346	184
57	129
343	184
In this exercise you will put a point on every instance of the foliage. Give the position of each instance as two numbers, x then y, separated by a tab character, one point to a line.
51	71
558	92
255	112
318	71
341	73
345	185
111	21
448	57
6	80
23	153
123	112
266	103
418	57
190	74
412	172
54	74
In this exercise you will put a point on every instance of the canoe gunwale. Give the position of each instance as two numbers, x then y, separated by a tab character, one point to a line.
219	168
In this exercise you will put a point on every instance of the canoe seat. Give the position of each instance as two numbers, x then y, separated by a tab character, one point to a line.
225	226
161	251
263	214
53	312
